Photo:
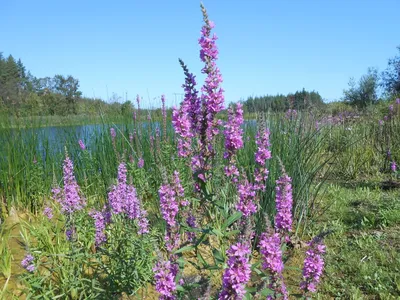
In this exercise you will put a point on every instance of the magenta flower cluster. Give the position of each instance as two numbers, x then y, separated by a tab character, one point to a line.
284	204
212	94
168	204
393	166
123	200
191	103
313	265
171	197
27	263
81	145
237	274
233	139
100	226
140	163
182	126
261	156
69	198
270	249
247	195
48	212
164	275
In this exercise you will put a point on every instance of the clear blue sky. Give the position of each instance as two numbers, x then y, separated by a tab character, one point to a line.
266	47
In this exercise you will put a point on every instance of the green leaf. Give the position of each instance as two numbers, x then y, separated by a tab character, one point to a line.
232	232
236	216
217	232
185	249
218	256
265	292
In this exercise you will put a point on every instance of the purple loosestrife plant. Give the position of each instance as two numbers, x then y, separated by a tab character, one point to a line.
192	102
168	204
313	266
233	140
164	275
237	274
284	205
100	226
123	199
140	163
393	166
143	222
181	123
118	193
113	133
271	253
48	212
82	145
27	263
191	222
212	97
261	156
247	195
70	198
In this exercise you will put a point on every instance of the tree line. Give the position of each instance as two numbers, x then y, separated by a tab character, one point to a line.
22	94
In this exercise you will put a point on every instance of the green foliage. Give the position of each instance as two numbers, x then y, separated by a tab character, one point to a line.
391	76
365	93
362	255
300	100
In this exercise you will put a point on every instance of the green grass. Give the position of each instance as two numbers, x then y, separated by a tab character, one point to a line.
363	253
362	258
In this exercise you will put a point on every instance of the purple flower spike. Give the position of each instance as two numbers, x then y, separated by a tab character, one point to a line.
313	266
48	212
284	203
82	145
69	198
140	163
113	133
261	156
233	139
27	260
247	194
237	274
100	225
168	204
181	123
270	249
393	166
164	275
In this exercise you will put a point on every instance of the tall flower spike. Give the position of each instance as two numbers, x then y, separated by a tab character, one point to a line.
164	275
82	145
212	94
313	266
70	199
270	249
284	204
237	274
247	194
233	140
181	123
168	204
261	156
100	226
192	103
